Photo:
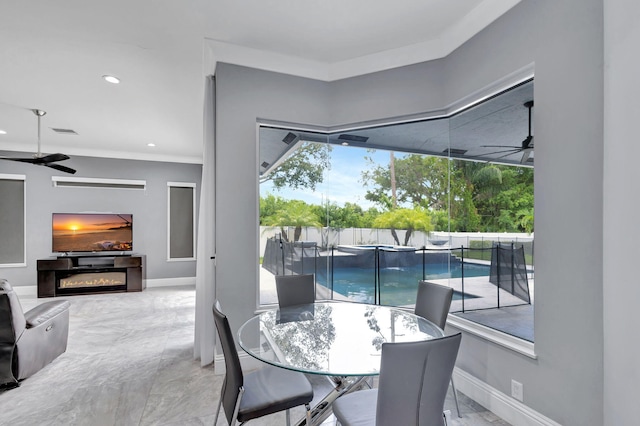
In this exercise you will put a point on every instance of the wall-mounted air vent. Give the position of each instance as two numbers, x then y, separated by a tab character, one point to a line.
289	138
265	164
353	138
64	131
82	182
454	151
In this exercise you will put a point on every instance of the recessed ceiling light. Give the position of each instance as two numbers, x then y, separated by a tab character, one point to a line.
151	144
111	79
3	132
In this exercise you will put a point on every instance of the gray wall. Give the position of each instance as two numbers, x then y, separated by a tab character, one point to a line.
621	232
565	41
242	95
149	208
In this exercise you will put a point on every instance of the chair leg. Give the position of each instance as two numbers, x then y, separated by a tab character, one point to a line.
455	397
215	421
308	407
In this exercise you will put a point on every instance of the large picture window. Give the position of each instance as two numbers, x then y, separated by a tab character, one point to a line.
12	220
374	210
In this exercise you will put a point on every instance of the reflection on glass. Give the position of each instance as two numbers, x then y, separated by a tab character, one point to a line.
330	338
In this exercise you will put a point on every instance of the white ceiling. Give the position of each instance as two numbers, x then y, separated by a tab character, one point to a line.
54	53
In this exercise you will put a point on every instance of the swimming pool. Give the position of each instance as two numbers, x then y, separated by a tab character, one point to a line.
398	285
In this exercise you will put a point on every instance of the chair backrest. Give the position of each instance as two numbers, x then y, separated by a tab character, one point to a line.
414	378
233	379
12	320
295	289
433	302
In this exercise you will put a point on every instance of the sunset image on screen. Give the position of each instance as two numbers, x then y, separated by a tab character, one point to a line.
91	232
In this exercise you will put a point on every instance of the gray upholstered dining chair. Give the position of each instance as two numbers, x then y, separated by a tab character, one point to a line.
295	289
261	392
432	303
414	377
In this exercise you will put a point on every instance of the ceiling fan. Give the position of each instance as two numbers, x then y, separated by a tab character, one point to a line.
526	147
49	160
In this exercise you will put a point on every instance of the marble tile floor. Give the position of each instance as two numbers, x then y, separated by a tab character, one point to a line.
130	361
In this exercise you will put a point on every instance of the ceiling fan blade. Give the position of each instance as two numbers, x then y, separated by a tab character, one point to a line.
24	160
52	158
506	155
60	168
525	155
513	150
31	160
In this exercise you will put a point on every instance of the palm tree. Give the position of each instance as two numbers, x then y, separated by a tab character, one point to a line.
416	219
295	213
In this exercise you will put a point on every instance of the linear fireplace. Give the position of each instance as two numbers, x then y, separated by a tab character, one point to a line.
93	279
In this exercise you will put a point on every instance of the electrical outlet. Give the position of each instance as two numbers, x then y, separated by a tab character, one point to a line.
517	390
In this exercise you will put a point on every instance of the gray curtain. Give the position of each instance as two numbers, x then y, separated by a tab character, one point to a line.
205	266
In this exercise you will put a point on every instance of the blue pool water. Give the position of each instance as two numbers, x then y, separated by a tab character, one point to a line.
398	284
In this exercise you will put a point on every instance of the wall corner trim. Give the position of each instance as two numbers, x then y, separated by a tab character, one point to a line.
508	341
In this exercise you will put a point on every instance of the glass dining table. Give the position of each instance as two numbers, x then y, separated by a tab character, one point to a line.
340	340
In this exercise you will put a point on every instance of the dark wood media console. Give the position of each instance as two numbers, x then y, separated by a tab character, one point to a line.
68	275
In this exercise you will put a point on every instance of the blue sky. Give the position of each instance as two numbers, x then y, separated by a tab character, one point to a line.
341	183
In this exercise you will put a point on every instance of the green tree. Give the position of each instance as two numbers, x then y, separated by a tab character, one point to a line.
270	205
294	213
420	181
303	169
416	219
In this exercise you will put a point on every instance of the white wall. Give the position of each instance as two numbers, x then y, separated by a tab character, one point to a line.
621	232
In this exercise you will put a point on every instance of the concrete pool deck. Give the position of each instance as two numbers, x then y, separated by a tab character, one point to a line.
514	316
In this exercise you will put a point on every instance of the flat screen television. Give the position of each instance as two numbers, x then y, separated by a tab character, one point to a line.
91	232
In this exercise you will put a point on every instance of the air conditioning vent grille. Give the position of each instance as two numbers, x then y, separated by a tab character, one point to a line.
353	138
64	131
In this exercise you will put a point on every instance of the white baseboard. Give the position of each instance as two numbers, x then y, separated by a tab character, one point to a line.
503	406
171	282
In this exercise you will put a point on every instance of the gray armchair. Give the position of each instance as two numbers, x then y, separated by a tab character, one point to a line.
31	340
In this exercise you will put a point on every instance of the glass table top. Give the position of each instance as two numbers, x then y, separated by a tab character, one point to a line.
331	338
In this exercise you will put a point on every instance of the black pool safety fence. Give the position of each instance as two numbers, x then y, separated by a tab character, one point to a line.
389	275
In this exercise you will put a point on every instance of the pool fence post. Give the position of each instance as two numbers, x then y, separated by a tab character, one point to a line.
462	275
331	269
513	267
498	270
376	284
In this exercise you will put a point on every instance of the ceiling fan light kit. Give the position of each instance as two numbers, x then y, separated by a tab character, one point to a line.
44	160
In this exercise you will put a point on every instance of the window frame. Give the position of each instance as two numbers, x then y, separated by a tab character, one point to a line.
23	178
193	186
